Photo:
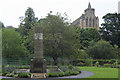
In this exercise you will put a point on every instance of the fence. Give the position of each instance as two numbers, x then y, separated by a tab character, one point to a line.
16	61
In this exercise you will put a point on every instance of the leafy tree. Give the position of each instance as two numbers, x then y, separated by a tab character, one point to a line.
87	35
27	29
110	30
80	54
11	44
58	37
101	50
27	22
1	25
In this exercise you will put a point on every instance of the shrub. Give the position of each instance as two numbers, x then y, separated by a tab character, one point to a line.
70	67
77	70
67	73
10	69
81	64
115	64
73	72
97	64
55	74
63	68
112	61
23	67
107	65
4	73
15	75
88	62
9	75
24	75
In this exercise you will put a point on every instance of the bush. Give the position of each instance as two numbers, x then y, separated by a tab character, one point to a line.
77	70
63	68
81	64
112	61
9	75
107	65
4	73
100	50
15	75
88	62
115	65
73	72
55	74
23	67
24	75
70	67
97	64
67	71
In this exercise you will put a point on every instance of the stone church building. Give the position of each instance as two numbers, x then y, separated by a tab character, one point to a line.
88	19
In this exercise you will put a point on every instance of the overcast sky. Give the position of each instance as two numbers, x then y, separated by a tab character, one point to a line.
11	10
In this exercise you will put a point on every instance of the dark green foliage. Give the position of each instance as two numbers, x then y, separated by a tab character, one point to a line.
4	73
24	75
55	74
23	67
58	37
26	29
107	65
9	75
115	65
66	72
28	22
101	50
70	67
11	44
97	64
111	28
1	25
86	35
70	70
80	64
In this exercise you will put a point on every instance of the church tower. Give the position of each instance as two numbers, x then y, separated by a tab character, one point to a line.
88	19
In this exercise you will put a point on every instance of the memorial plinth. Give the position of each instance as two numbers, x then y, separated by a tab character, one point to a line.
38	64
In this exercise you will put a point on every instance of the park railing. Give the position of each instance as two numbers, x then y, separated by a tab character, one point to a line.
16	61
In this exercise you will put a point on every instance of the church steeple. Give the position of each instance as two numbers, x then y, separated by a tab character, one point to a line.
89	5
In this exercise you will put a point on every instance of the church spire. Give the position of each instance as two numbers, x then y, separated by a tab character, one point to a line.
89	5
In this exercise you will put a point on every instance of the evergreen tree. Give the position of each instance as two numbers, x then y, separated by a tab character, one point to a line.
110	30
26	29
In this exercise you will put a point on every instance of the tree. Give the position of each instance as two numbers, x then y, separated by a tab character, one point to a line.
85	36
58	37
1	25
110	30
28	22
26	29
11	44
101	50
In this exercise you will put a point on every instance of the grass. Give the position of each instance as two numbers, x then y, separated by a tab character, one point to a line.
102	72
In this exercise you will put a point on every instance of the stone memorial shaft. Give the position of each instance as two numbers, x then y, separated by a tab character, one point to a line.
38	43
38	62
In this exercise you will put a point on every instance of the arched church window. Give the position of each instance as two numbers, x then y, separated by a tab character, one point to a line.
90	22
86	22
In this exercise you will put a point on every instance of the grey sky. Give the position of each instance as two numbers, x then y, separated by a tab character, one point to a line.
11	10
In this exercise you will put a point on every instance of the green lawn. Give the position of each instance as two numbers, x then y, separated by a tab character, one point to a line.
102	72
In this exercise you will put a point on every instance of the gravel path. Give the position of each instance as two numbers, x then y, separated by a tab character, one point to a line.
82	75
